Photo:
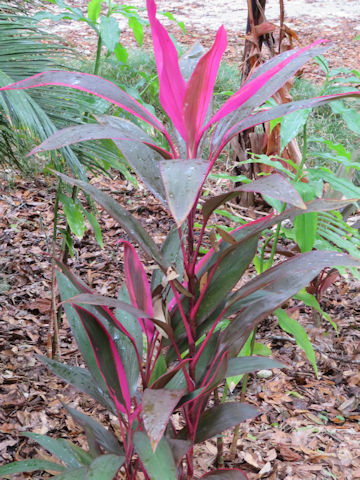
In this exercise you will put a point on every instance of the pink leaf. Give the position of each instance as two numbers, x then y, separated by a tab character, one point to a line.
172	83
200	88
250	88
107	358
93	84
138	287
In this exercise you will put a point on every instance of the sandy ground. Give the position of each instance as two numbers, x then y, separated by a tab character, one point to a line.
209	15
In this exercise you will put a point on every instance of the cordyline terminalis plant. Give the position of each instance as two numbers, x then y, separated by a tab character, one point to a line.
162	351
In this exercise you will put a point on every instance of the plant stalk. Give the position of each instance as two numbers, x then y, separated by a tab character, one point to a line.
98	56
236	434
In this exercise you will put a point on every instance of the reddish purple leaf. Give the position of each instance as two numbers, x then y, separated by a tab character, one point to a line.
274	186
138	287
182	180
172	83
107	359
200	88
94	131
211	252
238	123
250	88
91	84
158	406
218	419
101	307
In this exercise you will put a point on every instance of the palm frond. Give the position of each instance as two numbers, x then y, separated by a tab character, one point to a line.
27	118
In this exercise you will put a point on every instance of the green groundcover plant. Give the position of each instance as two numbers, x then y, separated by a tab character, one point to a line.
161	352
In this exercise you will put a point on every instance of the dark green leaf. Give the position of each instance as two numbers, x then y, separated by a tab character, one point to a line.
234	263
104	467
241	365
67	290
74	474
125	219
139	150
103	437
261	296
159	465
64	450
108	359
179	448
159	369
125	347
220	418
274	186
79	378
172	252
29	466
94	299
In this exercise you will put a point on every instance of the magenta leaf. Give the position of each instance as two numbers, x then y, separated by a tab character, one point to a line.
274	186
172	83
158	406
259	88
225	474
200	88
138	287
182	181
108	360
91	84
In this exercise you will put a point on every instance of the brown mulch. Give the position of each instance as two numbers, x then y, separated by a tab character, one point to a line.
307	426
